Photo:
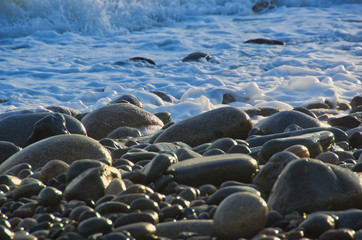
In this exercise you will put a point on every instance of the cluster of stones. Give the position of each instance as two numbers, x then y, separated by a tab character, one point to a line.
121	172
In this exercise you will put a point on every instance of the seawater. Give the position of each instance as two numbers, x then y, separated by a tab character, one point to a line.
62	52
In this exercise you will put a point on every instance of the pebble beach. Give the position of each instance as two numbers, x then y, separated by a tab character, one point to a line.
180	120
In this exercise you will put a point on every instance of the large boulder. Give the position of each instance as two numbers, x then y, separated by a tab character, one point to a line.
307	185
18	128
63	147
214	169
278	122
102	121
218	123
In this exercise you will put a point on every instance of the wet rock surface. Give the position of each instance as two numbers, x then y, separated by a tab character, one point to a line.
211	176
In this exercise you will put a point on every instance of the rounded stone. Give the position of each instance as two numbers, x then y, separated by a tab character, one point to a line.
52	169
130	98
94	225
338	234
328	157
116	186
141	230
196	56
218	123
240	215
124	132
49	196
100	122
356	101
7	149
299	150
316	224
18	128
64	147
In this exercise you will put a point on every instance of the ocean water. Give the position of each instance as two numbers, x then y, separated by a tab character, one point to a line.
62	52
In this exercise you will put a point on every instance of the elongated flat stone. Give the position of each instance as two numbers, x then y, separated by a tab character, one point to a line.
214	169
173	229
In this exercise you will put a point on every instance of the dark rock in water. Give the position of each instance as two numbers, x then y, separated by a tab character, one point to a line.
64	147
346	121
356	109
308	185
305	111
164	116
317	106
240	215
7	149
124	132
218	123
339	135
95	225
267	176
214	169
278	122
51	125
128	98
184	154
262	5
163	95
356	101
262	111
173	229
100	122
316	224
265	41
227	98
90	184
64	110
2	100
196	56
142	59
315	142
18	128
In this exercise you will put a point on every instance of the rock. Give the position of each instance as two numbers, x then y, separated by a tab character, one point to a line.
49	196
351	218
112	207
278	122
141	230
316	224
223	144
328	157
158	166
115	187
224	192
135	217
339	135
90	184
142	59
316	143
355	140
262	111
345	122
267	175
227	98
64	110
265	41
338	234
173	229
164	116
94	225
240	215
100	122
298	188
356	101
214	169
299	150
79	166
164	96
196	56
128	98
317	105
184	154
218	123
7	149
27	190
18	128
64	147
52	169
124	132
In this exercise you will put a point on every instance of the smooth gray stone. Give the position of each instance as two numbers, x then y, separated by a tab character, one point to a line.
307	185
315	142
140	230
79	166
339	135
94	225
7	149
132	99
63	147
224	192
350	218
90	184
278	122
173	229
18	128
269	173
184	154
214	169
218	123
102	121
316	224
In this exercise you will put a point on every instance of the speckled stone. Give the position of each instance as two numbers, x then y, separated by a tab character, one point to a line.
240	215
63	147
100	122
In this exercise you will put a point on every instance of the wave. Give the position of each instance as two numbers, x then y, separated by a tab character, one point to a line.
110	17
